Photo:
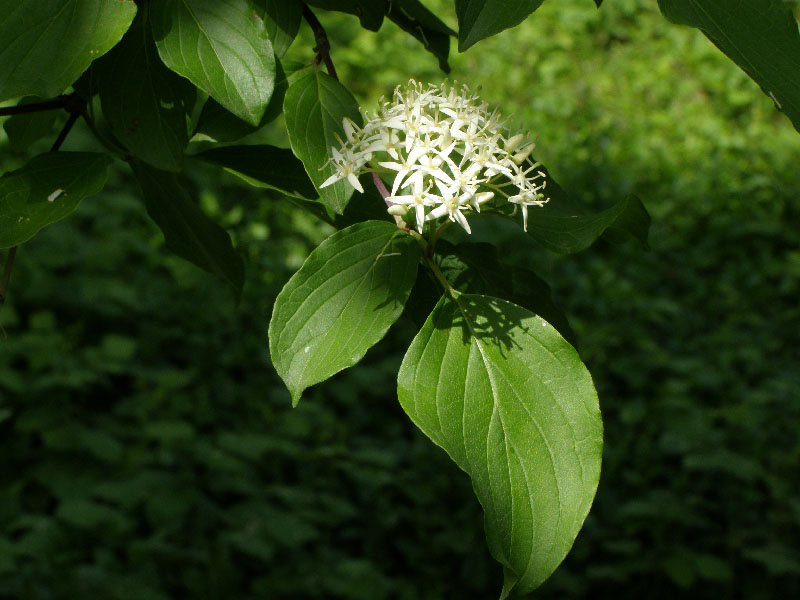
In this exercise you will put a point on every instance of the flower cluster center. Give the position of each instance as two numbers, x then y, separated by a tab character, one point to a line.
446	153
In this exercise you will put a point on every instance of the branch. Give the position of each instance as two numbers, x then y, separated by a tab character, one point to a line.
12	252
63	101
65	131
323	47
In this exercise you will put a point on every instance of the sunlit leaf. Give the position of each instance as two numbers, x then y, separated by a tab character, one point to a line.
314	107
220	124
341	302
512	404
222	47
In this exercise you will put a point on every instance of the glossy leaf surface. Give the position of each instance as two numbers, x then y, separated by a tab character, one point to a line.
512	404
314	107
341	302
222	47
220	124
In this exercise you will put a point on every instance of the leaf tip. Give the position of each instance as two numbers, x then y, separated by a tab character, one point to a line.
296	395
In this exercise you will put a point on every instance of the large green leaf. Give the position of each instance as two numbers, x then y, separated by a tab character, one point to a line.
264	166
479	19
221	47
412	16
221	125
564	226
343	299
314	107
145	103
282	19
188	232
760	36
46	44
46	190
510	401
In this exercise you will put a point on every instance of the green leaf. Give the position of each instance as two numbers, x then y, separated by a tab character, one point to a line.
341	302
314	107
369	12
24	129
46	190
221	125
475	268
479	19
282	20
760	36
188	232
598	3
264	166
222	47
145	104
412	16
563	226
46	44
512	404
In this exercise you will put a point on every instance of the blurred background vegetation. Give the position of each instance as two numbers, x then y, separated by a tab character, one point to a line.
150	451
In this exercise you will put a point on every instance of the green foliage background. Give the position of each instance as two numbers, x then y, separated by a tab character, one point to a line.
150	451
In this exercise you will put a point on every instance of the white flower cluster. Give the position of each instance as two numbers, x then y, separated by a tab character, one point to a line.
447	153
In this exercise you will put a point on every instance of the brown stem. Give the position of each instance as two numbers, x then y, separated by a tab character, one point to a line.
54	104
65	131
323	47
12	252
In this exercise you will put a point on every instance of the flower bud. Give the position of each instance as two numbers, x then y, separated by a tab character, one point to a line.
397	210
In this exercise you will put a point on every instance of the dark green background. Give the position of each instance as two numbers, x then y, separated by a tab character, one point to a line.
150	451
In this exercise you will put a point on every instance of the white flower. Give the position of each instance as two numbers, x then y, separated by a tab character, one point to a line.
448	153
419	199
